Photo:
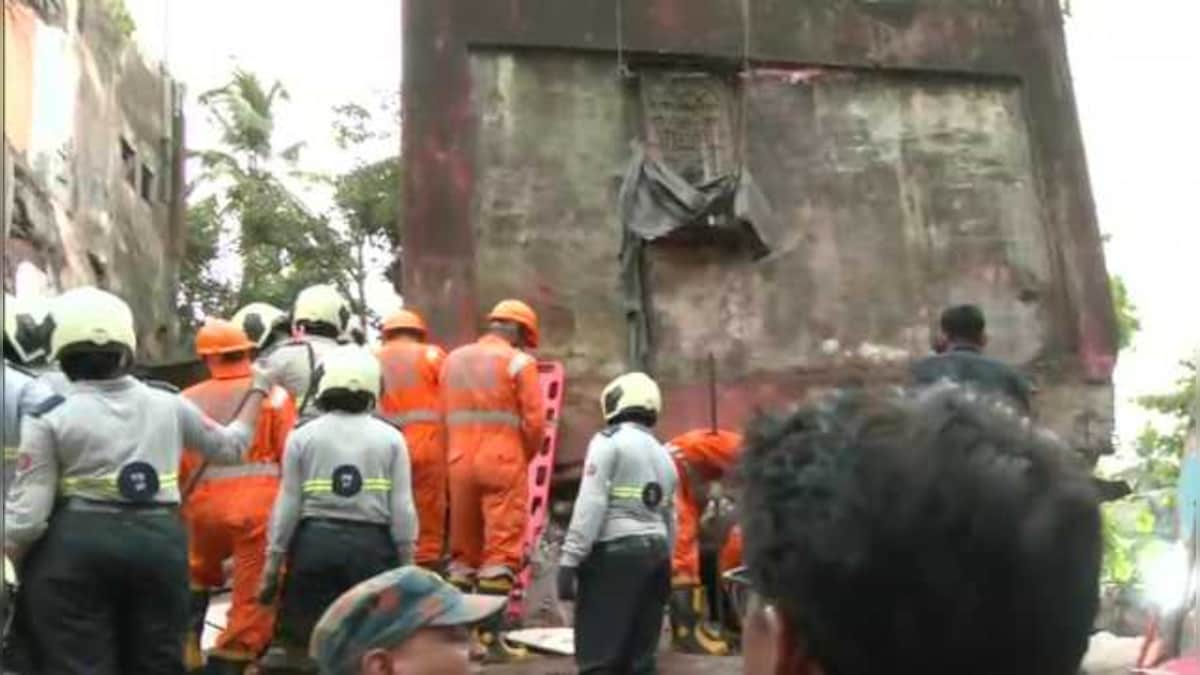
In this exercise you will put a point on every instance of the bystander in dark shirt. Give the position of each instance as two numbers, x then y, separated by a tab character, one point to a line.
965	364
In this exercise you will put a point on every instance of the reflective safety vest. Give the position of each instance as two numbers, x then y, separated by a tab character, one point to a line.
411	391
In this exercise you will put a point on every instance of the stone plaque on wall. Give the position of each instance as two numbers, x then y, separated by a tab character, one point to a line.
688	122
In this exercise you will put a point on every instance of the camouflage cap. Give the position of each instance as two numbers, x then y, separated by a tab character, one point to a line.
386	610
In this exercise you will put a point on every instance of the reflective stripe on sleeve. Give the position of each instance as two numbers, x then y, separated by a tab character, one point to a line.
483	417
414	416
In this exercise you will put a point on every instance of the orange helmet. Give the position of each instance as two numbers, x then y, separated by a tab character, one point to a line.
521	314
405	320
219	336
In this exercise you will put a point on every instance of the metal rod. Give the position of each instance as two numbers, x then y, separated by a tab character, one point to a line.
712	391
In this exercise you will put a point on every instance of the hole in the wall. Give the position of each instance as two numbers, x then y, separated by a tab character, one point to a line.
147	183
129	161
99	269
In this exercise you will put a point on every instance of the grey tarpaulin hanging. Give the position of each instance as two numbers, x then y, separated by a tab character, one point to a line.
655	201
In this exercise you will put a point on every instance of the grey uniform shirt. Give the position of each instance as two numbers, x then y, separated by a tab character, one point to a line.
56	380
349	467
628	489
22	393
103	435
294	363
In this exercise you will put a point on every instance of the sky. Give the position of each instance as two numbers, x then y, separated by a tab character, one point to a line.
1134	63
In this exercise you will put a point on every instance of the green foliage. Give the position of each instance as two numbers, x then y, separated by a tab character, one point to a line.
119	18
282	245
367	196
1139	521
1128	322
1129	527
245	110
201	292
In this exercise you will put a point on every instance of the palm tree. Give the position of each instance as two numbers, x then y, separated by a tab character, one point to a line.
278	233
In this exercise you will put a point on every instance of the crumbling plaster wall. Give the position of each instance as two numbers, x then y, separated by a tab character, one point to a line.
916	154
89	223
897	196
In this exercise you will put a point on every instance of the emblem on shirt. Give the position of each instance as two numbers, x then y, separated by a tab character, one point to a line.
347	481
590	470
652	495
138	482
24	461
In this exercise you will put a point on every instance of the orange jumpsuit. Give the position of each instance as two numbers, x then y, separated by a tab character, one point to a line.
731	552
412	400
228	510
700	455
495	418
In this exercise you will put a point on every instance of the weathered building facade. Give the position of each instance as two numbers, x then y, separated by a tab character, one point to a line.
93	135
874	161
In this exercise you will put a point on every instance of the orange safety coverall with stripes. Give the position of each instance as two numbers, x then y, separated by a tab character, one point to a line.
495	417
701	456
227	512
412	400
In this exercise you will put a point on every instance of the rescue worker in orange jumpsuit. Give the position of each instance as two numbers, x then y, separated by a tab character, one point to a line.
228	507
412	401
495	416
702	457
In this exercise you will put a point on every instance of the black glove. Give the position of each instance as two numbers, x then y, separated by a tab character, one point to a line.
268	586
566	583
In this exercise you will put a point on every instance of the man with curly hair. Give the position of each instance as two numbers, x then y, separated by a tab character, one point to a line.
938	534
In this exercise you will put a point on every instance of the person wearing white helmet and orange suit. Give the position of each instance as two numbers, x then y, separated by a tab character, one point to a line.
319	318
92	520
495	419
412	401
344	511
227	508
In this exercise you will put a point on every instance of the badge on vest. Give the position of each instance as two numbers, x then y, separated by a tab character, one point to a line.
138	482
347	481
652	495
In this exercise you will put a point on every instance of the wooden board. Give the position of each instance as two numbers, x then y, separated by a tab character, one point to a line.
559	641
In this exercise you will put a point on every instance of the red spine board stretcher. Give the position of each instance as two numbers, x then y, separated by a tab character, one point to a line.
552	377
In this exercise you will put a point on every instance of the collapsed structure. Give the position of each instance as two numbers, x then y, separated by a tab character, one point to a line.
93	163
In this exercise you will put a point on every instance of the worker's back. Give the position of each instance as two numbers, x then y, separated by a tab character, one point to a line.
295	362
222	399
479	387
410	381
966	365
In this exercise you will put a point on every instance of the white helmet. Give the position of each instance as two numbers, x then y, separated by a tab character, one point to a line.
27	330
349	367
90	315
323	304
630	391
355	333
258	320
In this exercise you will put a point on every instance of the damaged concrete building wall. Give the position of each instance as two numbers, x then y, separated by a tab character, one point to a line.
93	190
912	155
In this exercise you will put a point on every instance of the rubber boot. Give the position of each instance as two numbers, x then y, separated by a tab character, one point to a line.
490	634
193	655
286	660
462	582
227	664
690	633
